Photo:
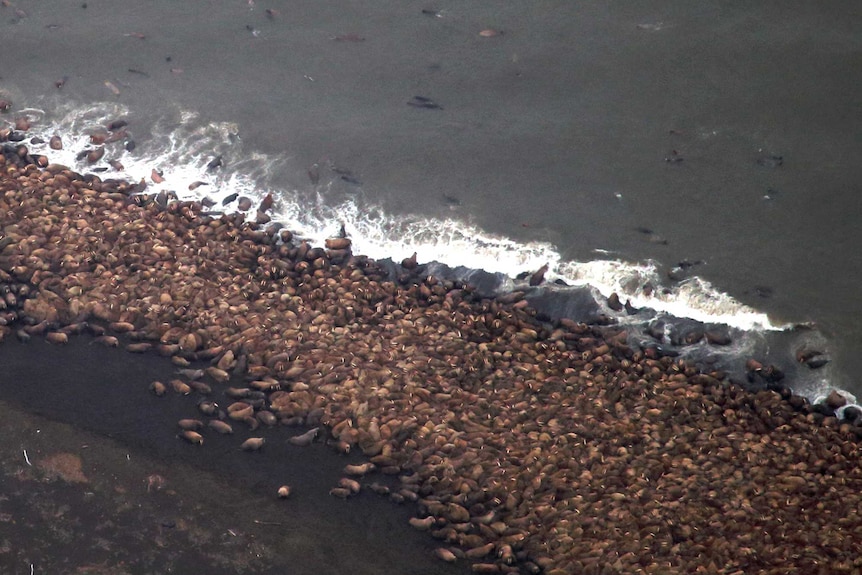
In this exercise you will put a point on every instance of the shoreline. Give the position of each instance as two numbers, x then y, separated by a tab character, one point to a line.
722	342
534	447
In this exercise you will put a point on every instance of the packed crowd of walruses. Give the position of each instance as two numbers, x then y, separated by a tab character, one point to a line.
528	447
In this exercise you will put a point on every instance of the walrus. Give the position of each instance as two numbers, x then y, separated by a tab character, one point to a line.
215	163
221	426
191	424
539	276
410	263
192	437
305	439
359	470
253	444
266	203
340	492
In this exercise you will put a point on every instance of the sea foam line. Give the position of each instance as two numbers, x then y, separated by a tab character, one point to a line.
185	145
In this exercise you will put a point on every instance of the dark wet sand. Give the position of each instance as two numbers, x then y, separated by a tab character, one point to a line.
217	512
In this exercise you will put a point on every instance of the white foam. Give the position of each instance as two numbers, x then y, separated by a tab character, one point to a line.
180	153
693	298
380	235
185	145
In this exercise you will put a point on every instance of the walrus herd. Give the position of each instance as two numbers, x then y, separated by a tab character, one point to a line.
528	446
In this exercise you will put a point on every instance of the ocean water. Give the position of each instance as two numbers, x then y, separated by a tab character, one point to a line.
701	161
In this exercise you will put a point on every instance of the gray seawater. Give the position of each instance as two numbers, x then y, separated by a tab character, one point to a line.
727	133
